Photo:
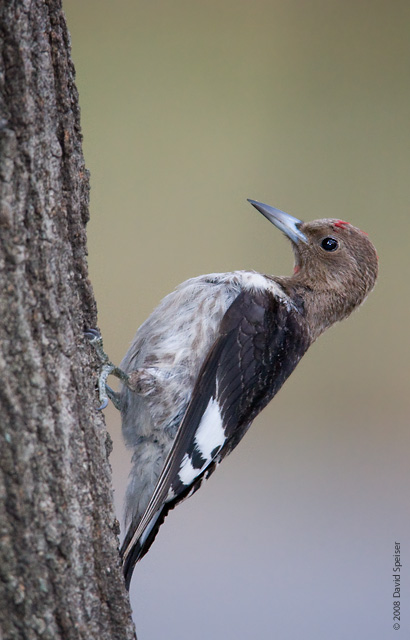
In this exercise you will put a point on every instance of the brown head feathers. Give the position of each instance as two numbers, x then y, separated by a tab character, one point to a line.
335	269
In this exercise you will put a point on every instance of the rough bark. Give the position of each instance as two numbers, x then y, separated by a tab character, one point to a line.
59	567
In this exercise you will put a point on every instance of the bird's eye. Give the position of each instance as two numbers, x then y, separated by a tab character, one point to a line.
329	244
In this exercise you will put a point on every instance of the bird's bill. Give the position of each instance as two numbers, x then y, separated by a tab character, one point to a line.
283	221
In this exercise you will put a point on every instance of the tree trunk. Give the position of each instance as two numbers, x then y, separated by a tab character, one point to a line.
59	569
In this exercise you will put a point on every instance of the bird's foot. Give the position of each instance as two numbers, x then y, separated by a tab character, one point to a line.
108	368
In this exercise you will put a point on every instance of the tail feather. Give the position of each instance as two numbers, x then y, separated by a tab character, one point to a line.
132	550
132	553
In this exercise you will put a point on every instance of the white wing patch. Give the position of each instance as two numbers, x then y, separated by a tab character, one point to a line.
210	434
209	438
187	472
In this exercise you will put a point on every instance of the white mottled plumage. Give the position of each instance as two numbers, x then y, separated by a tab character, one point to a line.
167	357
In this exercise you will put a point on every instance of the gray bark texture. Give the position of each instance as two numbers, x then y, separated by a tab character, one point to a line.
60	576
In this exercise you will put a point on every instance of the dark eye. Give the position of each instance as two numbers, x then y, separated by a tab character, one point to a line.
329	244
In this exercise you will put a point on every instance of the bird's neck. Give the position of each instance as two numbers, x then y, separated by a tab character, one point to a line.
320	306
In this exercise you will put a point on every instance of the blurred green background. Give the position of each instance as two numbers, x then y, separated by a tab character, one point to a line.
189	108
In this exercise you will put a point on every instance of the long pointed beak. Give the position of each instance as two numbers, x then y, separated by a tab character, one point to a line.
283	221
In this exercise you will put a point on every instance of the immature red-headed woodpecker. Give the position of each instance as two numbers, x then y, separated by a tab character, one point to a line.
215	352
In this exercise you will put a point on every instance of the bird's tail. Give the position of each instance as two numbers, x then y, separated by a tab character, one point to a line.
130	560
133	549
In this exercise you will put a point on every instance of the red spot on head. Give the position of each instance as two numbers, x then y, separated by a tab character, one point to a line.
296	269
341	224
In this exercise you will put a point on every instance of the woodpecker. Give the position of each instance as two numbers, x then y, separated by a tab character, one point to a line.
215	352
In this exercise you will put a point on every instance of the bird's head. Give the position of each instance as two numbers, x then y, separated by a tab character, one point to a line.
332	258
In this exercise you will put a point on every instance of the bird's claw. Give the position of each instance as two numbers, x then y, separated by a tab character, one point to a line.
103	405
95	339
92	334
108	368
